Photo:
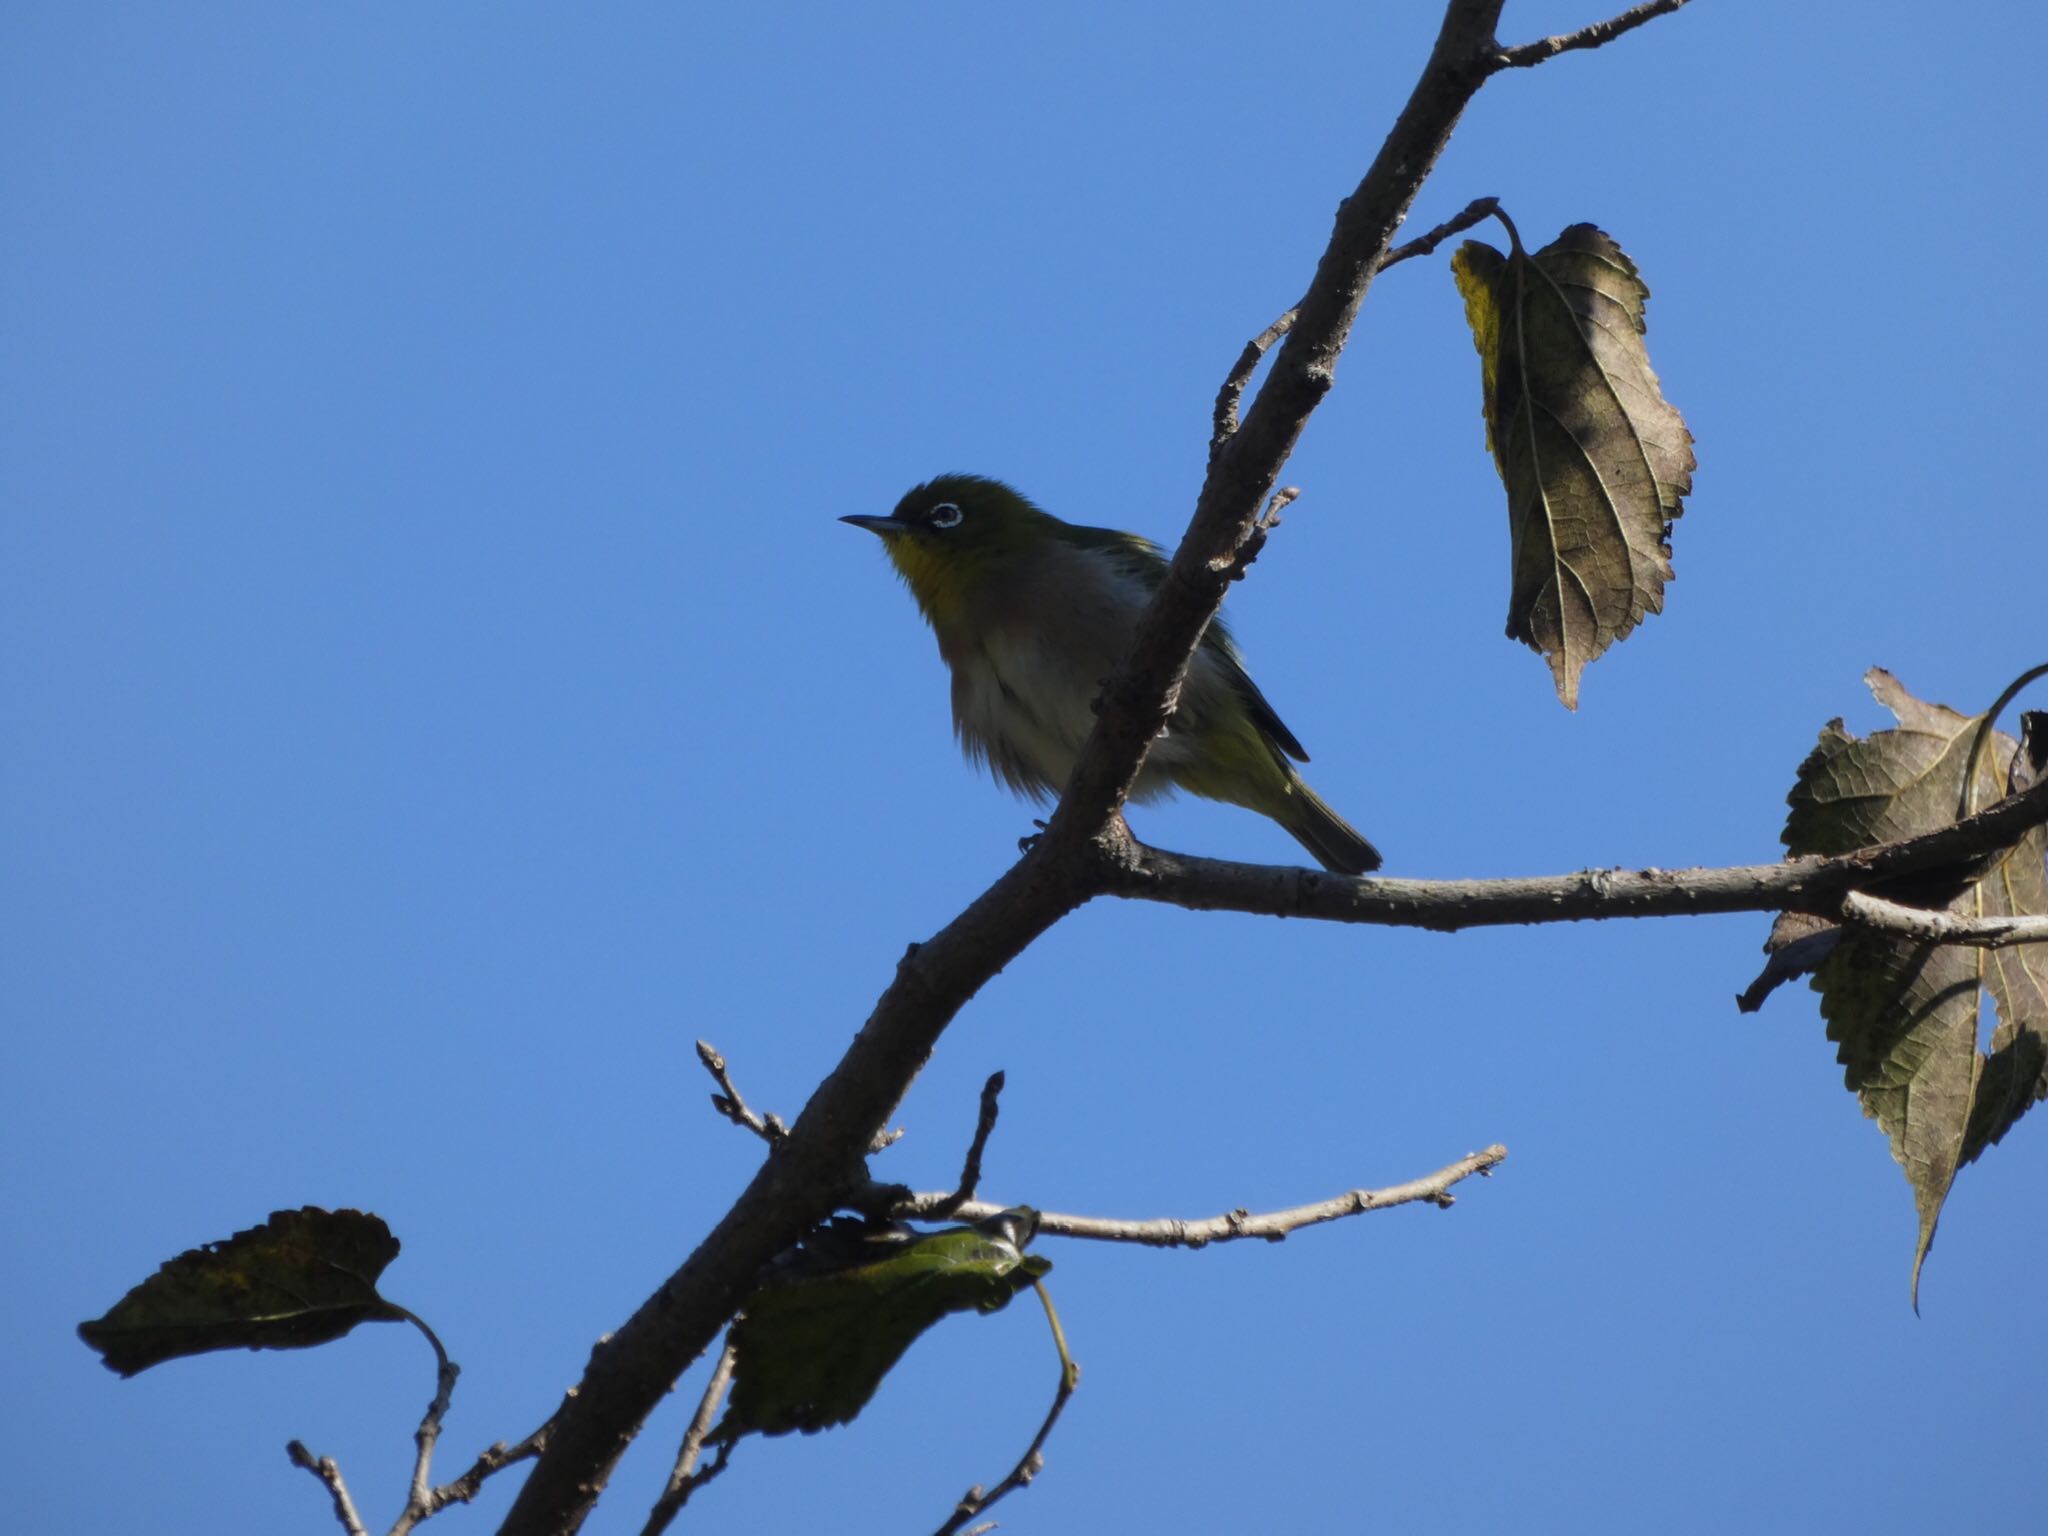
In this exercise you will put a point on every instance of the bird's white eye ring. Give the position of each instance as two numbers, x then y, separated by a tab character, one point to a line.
945	515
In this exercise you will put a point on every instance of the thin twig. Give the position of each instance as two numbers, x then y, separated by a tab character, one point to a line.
1175	1232
727	1100
1599	33
1279	502
324	1468
1032	1462
419	1497
423	1500
1239	561
684	1479
494	1460
1479	209
970	1172
1927	927
1239	379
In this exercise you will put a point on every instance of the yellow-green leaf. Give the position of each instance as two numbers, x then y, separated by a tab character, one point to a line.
814	1342
302	1278
1595	461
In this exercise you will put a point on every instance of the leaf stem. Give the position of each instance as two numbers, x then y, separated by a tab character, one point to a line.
974	1502
1514	234
1967	805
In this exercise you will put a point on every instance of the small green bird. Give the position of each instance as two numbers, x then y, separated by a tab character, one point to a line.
1033	615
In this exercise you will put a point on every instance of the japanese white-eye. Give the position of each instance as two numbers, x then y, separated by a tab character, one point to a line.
1034	614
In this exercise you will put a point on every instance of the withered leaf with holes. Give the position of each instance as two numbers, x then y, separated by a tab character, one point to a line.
302	1278
1903	1014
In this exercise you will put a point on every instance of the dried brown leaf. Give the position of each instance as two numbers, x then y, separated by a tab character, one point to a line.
1595	461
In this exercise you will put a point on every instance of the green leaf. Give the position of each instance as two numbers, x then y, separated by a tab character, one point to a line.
814	1342
1905	1015
1595	462
302	1278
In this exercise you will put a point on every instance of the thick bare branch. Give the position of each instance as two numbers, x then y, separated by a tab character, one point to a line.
1812	884
1243	472
1272	1226
822	1155
632	1369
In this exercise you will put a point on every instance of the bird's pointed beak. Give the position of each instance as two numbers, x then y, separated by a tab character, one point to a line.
882	525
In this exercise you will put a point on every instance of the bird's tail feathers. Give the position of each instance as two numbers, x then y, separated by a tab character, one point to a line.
1336	844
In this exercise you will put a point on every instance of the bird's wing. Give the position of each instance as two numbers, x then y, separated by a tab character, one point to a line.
1138	556
1147	562
1270	725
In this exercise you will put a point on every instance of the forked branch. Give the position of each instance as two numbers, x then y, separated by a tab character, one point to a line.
977	1500
636	1366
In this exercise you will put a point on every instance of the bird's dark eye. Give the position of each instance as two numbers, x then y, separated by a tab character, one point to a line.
945	515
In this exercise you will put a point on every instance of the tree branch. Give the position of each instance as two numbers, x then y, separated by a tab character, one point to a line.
1272	1226
1140	699
419	1501
1810	884
948	1206
823	1156
1917	923
329	1472
1224	424
632	1369
1474	212
423	1501
1032	1462
727	1100
1228	398
1598	34
684	1479
500	1456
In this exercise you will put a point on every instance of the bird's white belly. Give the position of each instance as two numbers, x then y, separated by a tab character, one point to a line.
1023	704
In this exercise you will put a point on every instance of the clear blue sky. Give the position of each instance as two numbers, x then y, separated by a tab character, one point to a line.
436	691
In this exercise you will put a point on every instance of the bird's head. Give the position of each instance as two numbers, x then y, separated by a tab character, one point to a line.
954	535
